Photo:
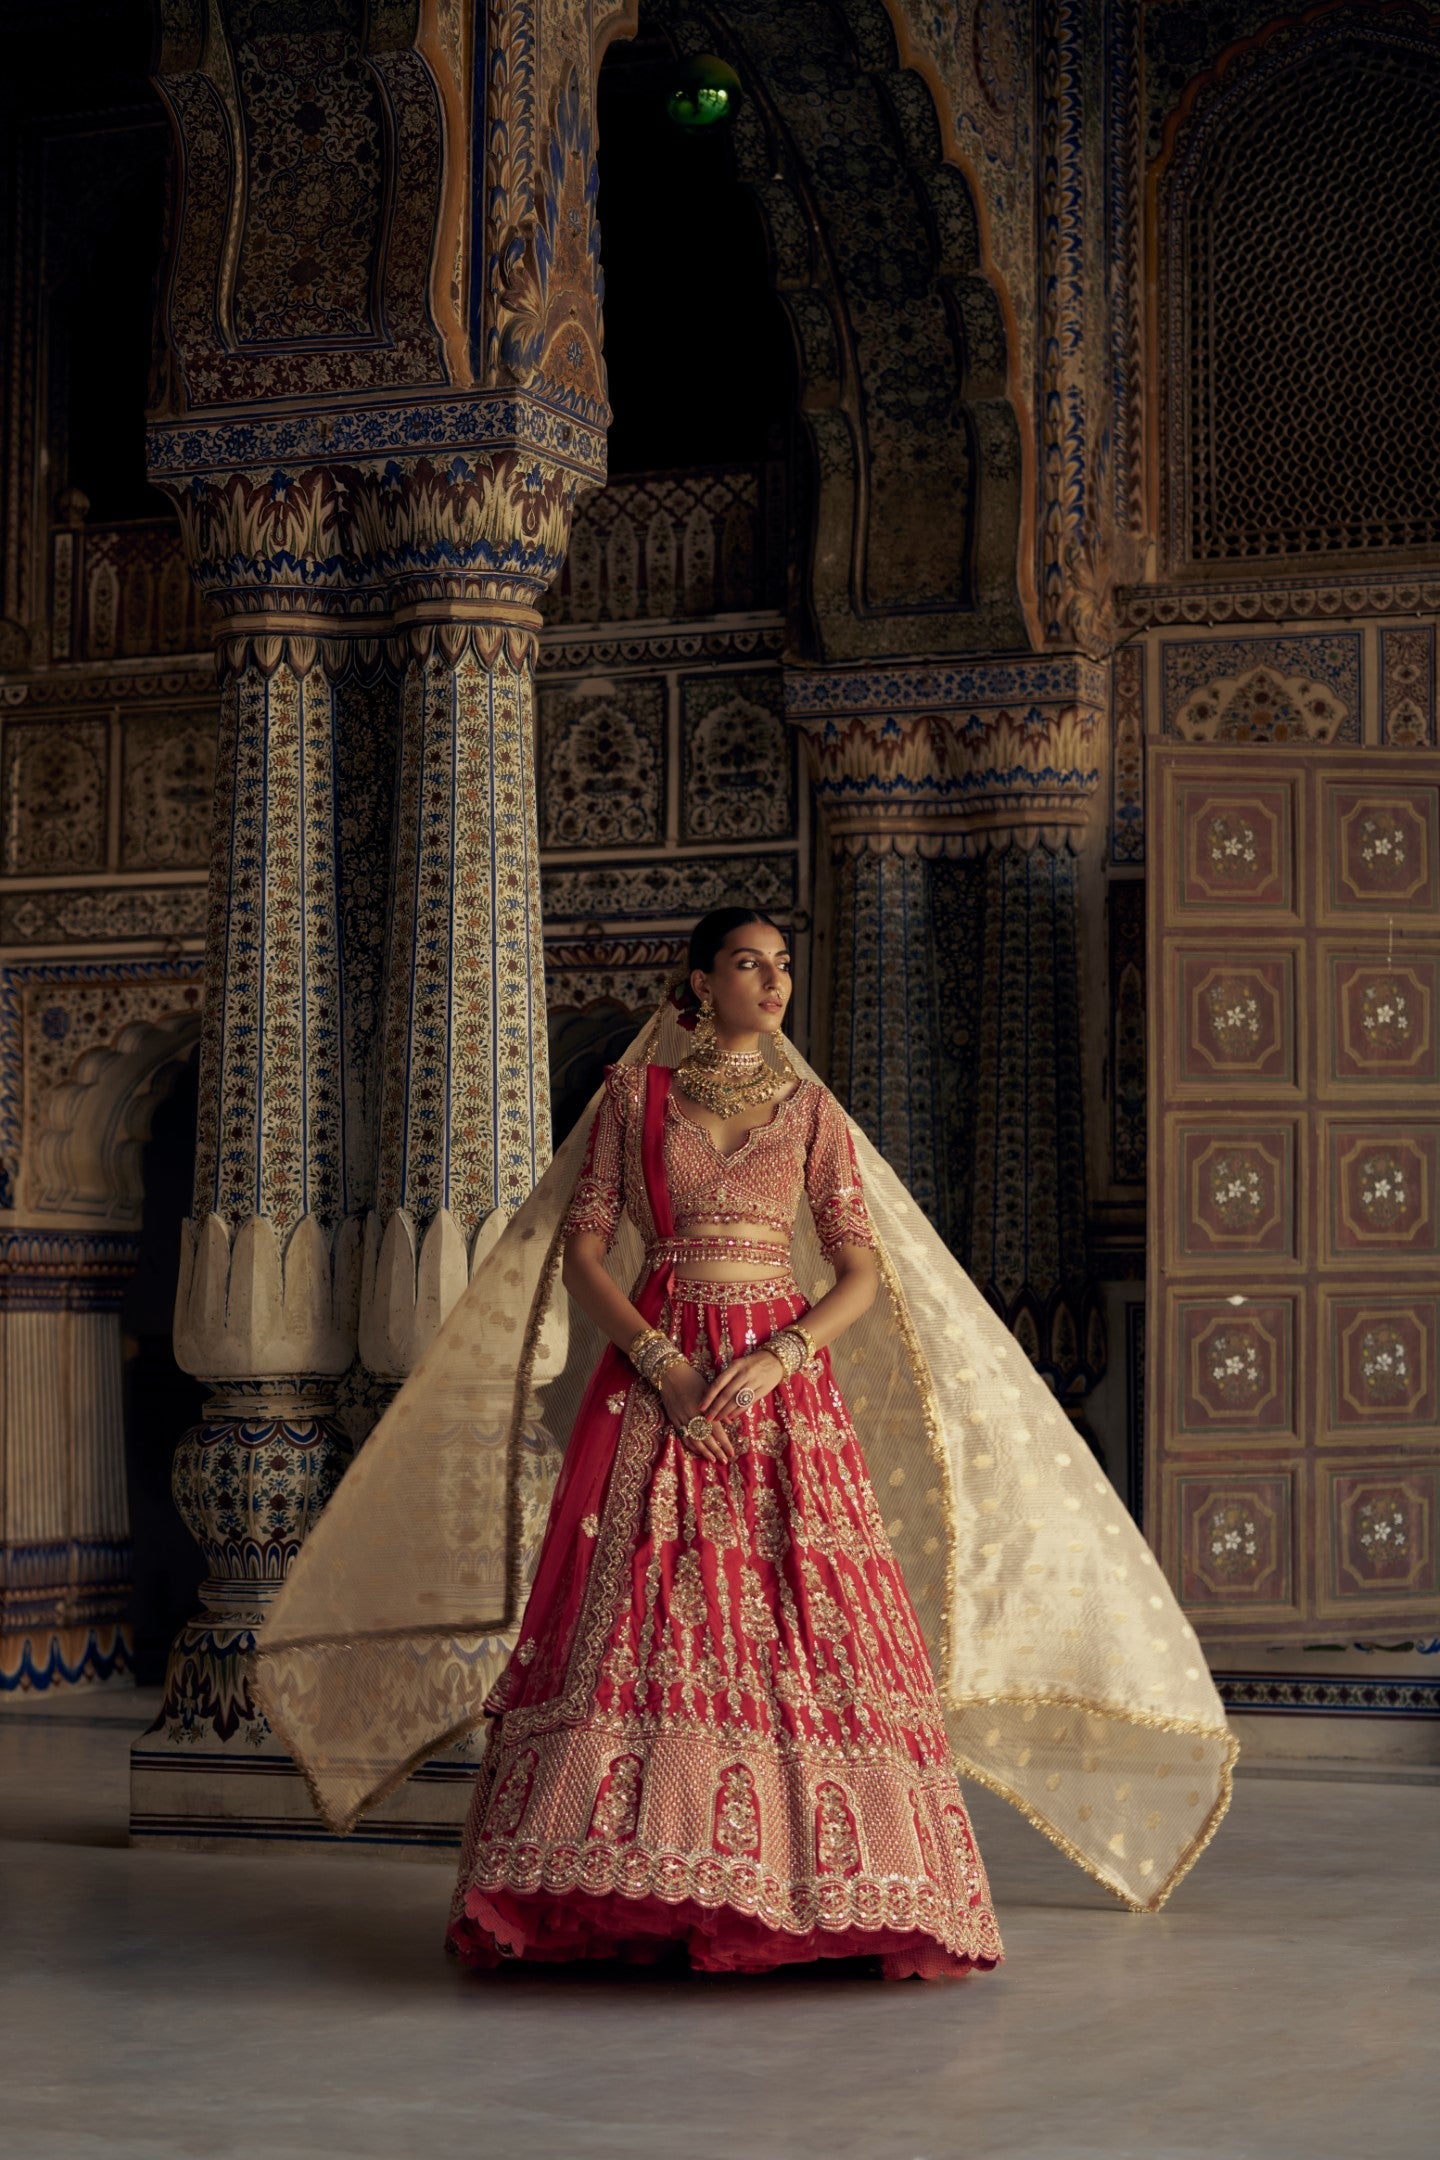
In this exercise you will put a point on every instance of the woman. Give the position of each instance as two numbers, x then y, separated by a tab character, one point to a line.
720	1727
727	1699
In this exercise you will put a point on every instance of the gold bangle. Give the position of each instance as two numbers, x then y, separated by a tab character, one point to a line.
634	1349
652	1354
788	1348
812	1349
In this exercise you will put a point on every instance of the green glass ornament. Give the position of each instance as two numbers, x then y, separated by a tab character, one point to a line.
707	91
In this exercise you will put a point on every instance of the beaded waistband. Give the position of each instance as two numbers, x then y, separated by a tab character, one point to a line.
716	1248
759	1290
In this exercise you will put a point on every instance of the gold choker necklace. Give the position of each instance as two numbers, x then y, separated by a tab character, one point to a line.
729	1081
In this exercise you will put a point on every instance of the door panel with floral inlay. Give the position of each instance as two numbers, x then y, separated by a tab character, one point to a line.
1293	1417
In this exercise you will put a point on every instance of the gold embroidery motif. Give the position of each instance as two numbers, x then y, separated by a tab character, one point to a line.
616	1813
737	1814
717	1523
687	1598
756	1612
923	1839
837	1842
507	1811
772	1538
769	1291
962	1844
663	1513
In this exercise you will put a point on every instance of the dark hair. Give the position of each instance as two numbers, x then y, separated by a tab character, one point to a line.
710	933
706	940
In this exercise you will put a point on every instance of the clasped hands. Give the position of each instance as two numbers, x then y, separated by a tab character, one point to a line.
686	1396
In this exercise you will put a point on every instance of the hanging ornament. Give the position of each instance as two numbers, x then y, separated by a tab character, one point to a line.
706	91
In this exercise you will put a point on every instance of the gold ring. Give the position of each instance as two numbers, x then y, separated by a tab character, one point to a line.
698	1429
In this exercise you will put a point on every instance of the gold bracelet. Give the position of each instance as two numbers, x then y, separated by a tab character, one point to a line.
652	1353
637	1345
789	1349
656	1363
812	1350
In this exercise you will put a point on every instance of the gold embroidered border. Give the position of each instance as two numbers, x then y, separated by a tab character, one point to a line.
782	1880
858	1903
642	1727
967	1766
765	1290
641	1425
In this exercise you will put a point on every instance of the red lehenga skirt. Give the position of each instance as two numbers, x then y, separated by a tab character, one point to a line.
720	1729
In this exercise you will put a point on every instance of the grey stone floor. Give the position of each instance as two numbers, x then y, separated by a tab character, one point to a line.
266	2006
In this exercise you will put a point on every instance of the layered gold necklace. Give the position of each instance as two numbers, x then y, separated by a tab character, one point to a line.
729	1081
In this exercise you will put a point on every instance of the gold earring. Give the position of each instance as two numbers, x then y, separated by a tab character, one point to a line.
705	1022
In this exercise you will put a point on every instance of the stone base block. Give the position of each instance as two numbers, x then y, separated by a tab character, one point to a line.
1381	1742
204	1798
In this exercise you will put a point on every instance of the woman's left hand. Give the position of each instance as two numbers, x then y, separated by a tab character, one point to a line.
754	1376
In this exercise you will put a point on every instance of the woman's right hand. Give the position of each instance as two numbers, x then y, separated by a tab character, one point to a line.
682	1390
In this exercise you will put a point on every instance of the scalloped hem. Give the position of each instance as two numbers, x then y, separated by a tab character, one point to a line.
543	1927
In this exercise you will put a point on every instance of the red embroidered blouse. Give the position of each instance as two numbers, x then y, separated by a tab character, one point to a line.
805	1147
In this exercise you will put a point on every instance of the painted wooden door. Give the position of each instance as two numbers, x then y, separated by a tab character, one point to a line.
1293	1411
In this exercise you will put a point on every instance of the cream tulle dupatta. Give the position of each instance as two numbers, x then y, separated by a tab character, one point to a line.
1073	1684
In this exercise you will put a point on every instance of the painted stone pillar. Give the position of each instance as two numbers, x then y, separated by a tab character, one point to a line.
269	1274
464	1092
380	390
955	800
887	1048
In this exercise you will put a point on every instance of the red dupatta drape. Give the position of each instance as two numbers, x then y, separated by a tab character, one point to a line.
558	1591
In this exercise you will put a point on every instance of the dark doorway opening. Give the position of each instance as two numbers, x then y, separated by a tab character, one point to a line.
160	1400
696	343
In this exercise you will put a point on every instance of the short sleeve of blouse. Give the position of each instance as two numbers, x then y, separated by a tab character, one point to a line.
598	1200
832	1181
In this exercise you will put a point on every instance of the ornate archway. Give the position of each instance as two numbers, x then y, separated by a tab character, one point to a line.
914	488
65	1530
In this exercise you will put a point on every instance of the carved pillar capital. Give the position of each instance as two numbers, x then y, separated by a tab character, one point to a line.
306	529
951	760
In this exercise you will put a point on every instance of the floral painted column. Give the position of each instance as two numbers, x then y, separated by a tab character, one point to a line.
887	1047
265	1311
956	799
464	1093
464	1118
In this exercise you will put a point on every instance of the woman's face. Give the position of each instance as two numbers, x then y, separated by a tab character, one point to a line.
749	984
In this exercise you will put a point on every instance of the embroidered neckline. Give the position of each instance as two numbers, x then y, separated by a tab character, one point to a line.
720	1154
